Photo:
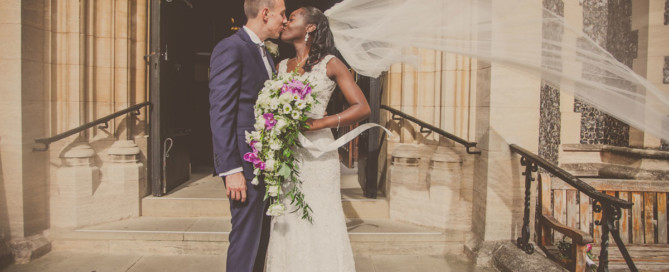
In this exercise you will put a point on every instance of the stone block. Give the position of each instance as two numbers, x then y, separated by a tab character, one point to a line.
29	248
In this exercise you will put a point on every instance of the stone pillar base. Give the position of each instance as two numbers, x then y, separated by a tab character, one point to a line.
29	248
77	180
480	252
125	184
426	187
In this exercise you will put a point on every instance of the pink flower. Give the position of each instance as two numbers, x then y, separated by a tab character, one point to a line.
259	164
588	247
251	157
269	120
306	91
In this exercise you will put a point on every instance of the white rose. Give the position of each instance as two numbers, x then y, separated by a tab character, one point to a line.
260	124
269	165
276	84
273	190
263	101
309	99
281	124
275	145
285	98
248	136
258	145
274	104
276	209
272	48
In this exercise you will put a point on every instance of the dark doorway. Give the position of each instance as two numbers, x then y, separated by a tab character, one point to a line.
183	34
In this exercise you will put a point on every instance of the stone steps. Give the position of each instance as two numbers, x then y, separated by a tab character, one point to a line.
205	197
209	236
194	219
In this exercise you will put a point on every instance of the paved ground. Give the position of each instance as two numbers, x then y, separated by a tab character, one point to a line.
85	262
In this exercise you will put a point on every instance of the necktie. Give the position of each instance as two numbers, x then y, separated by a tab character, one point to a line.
262	49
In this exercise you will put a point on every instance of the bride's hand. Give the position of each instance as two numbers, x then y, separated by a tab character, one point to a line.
311	123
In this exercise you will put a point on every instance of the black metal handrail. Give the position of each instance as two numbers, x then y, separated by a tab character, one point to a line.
425	127
608	205
134	110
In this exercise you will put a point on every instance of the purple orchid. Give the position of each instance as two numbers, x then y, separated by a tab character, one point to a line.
269	120
251	157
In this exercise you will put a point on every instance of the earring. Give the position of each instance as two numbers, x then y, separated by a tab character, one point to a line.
306	38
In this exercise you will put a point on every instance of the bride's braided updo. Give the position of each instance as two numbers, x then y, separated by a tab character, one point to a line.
322	42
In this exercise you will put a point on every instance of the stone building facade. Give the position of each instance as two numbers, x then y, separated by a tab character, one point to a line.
68	62
496	106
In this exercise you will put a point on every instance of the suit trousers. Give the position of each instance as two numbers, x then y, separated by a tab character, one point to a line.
250	231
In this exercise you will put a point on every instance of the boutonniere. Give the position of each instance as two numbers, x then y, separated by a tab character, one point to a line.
272	48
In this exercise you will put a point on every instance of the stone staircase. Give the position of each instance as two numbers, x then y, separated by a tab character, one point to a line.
195	220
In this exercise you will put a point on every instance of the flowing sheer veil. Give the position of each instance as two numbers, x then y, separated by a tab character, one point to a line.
373	34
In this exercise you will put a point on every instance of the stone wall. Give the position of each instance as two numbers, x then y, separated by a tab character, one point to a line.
607	22
64	63
25	26
550	118
98	69
666	12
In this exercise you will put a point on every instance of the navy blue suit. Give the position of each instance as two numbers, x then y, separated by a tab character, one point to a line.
237	75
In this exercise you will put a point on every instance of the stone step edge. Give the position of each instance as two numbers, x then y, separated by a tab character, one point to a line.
363	248
369	209
222	236
153	198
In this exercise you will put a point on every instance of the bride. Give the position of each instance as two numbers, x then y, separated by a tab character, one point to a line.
295	244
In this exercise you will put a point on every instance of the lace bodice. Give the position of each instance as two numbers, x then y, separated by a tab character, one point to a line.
322	85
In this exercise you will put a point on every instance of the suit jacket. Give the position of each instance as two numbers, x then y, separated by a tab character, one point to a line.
237	74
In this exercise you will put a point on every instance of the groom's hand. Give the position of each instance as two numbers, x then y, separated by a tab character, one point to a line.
235	186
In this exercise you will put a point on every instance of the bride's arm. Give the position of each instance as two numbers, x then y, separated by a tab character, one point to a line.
358	109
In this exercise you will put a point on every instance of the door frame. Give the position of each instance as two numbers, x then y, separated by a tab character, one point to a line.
155	56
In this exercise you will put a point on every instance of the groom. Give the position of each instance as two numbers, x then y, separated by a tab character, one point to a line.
239	67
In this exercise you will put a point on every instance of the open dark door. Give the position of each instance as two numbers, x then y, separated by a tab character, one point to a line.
169	137
371	140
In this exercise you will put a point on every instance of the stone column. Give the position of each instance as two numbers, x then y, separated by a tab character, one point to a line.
648	21
507	112
23	183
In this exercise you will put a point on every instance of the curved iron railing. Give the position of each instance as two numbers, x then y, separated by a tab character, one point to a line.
425	127
134	110
608	205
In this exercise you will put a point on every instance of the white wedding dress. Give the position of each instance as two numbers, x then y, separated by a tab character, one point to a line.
295	244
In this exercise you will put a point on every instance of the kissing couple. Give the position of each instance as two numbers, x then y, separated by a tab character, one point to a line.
240	64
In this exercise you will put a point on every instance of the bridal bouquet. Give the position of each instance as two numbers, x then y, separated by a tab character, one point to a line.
280	113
